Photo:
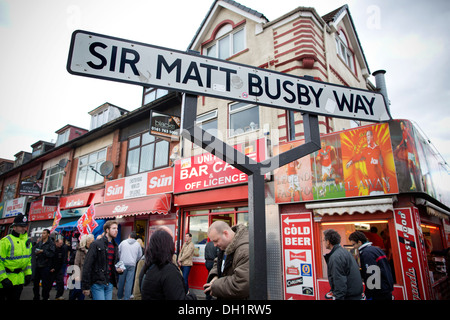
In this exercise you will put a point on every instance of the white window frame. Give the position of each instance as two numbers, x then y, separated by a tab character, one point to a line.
152	94
96	164
240	109
344	52
62	138
100	118
230	36
48	176
205	118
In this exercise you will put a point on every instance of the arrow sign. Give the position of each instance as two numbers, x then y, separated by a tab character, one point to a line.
288	221
109	58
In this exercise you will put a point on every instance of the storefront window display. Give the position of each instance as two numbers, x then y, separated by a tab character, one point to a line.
200	220
436	255
376	231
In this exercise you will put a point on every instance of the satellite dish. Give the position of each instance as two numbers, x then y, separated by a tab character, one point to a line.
106	168
63	163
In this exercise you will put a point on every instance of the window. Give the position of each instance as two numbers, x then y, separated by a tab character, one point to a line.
228	45
62	138
37	151
53	179
9	192
343	51
87	176
243	118
99	119
146	152
208	122
151	94
200	220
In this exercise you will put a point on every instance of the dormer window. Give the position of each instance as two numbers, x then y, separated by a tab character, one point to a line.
228	42
152	94
343	50
104	114
63	137
99	119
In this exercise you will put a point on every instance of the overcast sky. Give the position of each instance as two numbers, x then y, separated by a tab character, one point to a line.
408	39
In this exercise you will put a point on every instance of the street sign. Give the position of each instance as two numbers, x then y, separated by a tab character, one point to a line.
110	58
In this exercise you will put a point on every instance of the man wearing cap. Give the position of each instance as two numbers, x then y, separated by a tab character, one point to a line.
15	260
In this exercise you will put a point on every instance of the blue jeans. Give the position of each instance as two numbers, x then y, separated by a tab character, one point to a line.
126	280
102	291
185	270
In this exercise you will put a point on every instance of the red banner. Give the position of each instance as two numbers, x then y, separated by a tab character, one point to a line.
298	256
409	254
56	220
86	224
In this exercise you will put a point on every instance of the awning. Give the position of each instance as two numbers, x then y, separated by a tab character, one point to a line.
159	203
352	206
433	210
67	226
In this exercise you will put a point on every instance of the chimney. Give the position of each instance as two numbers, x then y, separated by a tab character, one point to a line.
380	83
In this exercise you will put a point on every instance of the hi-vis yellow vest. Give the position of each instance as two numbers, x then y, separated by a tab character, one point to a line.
15	258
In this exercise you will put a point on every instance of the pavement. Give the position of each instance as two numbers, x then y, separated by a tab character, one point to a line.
27	294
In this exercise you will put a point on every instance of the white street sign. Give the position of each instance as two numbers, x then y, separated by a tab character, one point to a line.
109	58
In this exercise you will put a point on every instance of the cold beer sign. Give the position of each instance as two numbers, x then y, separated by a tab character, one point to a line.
109	58
298	256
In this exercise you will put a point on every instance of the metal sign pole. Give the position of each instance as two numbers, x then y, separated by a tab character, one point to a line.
257	237
256	193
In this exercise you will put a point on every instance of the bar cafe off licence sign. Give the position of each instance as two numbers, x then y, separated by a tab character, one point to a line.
109	58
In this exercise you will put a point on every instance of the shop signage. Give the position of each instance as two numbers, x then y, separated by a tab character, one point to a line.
140	185
164	125
75	201
351	163
409	254
110	58
15	206
28	188
298	256
39	212
206	171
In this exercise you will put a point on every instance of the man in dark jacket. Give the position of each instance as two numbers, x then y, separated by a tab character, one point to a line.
45	252
376	271
58	268
99	271
343	271
229	277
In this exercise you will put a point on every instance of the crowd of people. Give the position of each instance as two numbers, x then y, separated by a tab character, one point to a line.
157	273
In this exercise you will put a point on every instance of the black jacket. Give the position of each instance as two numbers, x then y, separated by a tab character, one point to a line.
45	259
95	269
343	274
165	283
374	256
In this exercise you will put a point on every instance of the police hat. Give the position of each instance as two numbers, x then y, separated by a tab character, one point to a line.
20	220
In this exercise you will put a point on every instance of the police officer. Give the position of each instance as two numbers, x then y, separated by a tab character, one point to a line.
15	260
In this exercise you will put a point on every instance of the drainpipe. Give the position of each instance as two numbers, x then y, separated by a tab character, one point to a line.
380	83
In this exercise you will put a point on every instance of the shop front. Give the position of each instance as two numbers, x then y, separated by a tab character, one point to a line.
142	215
140	203
71	207
367	179
208	189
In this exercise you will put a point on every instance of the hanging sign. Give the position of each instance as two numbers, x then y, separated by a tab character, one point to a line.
99	56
